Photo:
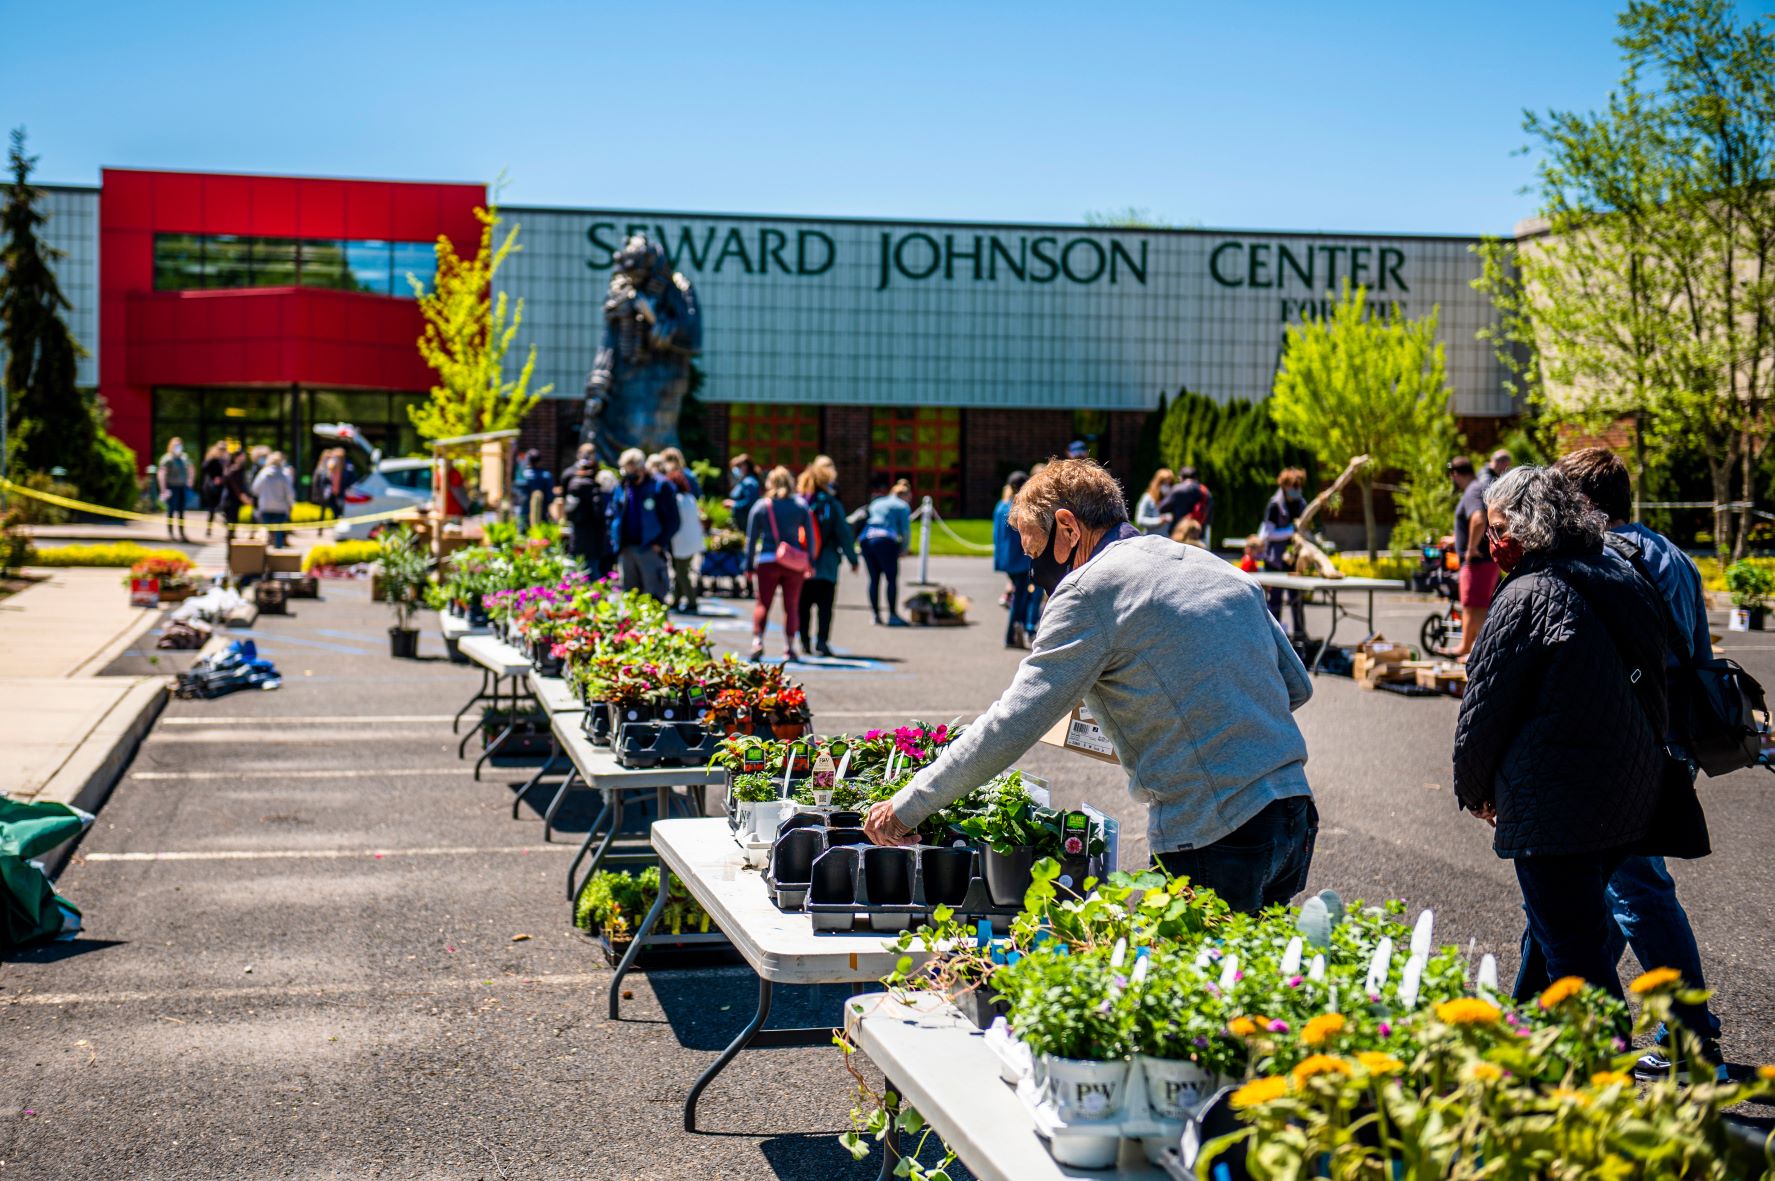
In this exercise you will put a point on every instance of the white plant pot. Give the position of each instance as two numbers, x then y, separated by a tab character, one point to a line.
1084	1090
1176	1089
743	811
765	818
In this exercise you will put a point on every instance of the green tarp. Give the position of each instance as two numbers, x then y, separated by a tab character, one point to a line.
33	910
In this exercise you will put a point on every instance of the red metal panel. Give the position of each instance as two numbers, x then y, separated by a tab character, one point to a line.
227	204
273	210
320	209
368	209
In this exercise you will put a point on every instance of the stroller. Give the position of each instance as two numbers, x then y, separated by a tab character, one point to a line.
1439	574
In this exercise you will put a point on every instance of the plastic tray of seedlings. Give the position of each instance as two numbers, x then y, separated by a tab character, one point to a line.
664	744
595	723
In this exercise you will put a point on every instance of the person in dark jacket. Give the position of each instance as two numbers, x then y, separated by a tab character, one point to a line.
1276	533
1642	893
588	514
643	520
1189	498
1009	559
817	489
1560	742
236	487
532	480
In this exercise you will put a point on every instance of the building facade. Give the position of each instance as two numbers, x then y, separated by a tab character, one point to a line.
947	353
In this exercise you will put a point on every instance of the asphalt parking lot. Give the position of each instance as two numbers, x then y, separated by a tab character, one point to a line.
302	957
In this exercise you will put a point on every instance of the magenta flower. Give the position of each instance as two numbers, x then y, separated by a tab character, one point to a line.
1278	1026
1385	1030
1296	981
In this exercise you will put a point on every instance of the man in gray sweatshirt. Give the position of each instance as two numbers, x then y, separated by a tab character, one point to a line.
1179	659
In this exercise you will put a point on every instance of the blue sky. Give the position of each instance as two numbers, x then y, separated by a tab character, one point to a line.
1379	116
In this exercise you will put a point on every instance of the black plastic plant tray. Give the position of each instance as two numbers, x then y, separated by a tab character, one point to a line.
595	722
664	744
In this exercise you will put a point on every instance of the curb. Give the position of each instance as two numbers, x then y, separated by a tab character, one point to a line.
89	775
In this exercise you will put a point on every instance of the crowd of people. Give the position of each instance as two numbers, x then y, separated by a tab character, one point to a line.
231	478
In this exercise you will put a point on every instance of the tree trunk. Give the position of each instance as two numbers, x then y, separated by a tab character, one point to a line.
1367	485
1741	543
1719	469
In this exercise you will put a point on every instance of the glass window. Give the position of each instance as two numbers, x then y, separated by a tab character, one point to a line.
418	259
227	261
274	262
323	264
368	268
178	262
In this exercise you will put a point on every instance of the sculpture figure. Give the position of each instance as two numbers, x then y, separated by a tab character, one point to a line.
642	371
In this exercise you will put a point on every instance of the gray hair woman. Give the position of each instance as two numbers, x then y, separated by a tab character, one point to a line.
1560	740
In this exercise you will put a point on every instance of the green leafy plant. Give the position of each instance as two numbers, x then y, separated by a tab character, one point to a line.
614	903
1752	585
403	568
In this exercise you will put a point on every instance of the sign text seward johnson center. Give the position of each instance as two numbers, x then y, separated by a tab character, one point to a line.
946	353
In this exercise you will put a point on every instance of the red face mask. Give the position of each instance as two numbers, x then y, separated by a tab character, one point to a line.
1505	550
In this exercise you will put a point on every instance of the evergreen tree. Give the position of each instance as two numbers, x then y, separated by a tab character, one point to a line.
49	423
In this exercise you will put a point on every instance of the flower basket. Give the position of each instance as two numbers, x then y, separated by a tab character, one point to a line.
176	594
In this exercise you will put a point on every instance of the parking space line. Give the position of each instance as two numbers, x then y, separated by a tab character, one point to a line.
324	854
310	720
307	773
300	991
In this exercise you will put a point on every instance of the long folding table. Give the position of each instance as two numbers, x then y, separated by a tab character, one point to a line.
779	947
1333	589
503	671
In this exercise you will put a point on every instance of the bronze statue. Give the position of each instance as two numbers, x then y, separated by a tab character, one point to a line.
651	331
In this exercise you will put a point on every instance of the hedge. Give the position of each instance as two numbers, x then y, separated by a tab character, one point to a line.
341	553
112	553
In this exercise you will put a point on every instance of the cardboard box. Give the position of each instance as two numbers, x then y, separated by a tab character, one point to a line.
283	561
1379	649
1370	671
246	558
1078	732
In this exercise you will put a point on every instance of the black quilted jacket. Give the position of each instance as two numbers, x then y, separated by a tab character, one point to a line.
1552	733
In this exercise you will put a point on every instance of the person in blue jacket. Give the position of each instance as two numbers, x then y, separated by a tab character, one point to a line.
643	521
532	479
744	490
887	531
1009	559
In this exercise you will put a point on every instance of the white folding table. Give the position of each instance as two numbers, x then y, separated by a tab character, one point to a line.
780	947
1332	589
938	1063
500	665
555	696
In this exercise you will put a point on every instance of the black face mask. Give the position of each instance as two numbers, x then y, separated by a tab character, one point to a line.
1045	570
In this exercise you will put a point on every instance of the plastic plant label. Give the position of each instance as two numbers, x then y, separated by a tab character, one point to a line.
1075	828
752	760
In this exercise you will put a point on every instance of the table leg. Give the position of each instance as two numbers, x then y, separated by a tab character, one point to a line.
734	1047
890	1140
615	802
548	815
1325	644
641	934
480	695
573	888
554	756
493	747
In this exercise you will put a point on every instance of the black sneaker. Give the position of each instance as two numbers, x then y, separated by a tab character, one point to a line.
1656	1064
824	649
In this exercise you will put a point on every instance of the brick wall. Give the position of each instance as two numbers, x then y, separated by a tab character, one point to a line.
995	443
1118	456
844	435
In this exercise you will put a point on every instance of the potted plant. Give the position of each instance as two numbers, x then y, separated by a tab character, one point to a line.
1073	1013
1013	832
172	573
403	569
1182	1044
1752	585
752	792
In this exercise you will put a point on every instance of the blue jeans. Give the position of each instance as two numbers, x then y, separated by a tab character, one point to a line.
273	518
1262	862
882	556
1570	926
1648	916
1024	612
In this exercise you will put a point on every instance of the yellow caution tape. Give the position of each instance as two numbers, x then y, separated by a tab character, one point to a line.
69	502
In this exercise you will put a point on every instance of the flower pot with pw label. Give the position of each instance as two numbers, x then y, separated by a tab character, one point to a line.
403	642
1008	875
766	815
1086	1090
1176	1087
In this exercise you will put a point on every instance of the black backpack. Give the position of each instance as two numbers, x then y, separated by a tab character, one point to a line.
1719	703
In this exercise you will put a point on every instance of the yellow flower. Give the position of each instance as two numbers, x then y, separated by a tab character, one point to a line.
1259	1091
1482	1072
1609	1078
1766	1073
1561	990
1375	1062
1468	1010
1322	1028
1319	1064
1241	1027
1654	980
1567	1095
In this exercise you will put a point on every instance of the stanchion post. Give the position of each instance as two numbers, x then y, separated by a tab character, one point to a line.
925	512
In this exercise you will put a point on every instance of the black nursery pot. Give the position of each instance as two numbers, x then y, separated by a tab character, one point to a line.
403	642
845	820
795	853
834	878
947	873
887	874
1008	875
847	836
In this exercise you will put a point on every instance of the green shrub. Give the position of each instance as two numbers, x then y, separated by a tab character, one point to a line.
110	553
1752	583
1383	566
40	512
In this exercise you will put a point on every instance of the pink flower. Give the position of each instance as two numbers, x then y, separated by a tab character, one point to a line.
1278	1026
1295	981
1385	1030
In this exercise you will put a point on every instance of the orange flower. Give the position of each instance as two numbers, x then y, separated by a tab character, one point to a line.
1766	1073
1654	980
1468	1010
1375	1062
1609	1078
1241	1027
1482	1072
1259	1091
1321	1028
1567	1095
1561	990
1319	1064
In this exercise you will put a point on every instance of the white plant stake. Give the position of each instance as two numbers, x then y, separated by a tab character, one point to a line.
1228	968
1316	973
844	764
1410	980
1380	965
1488	973
1291	956
1118	953
1202	959
1422	933
1139	974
